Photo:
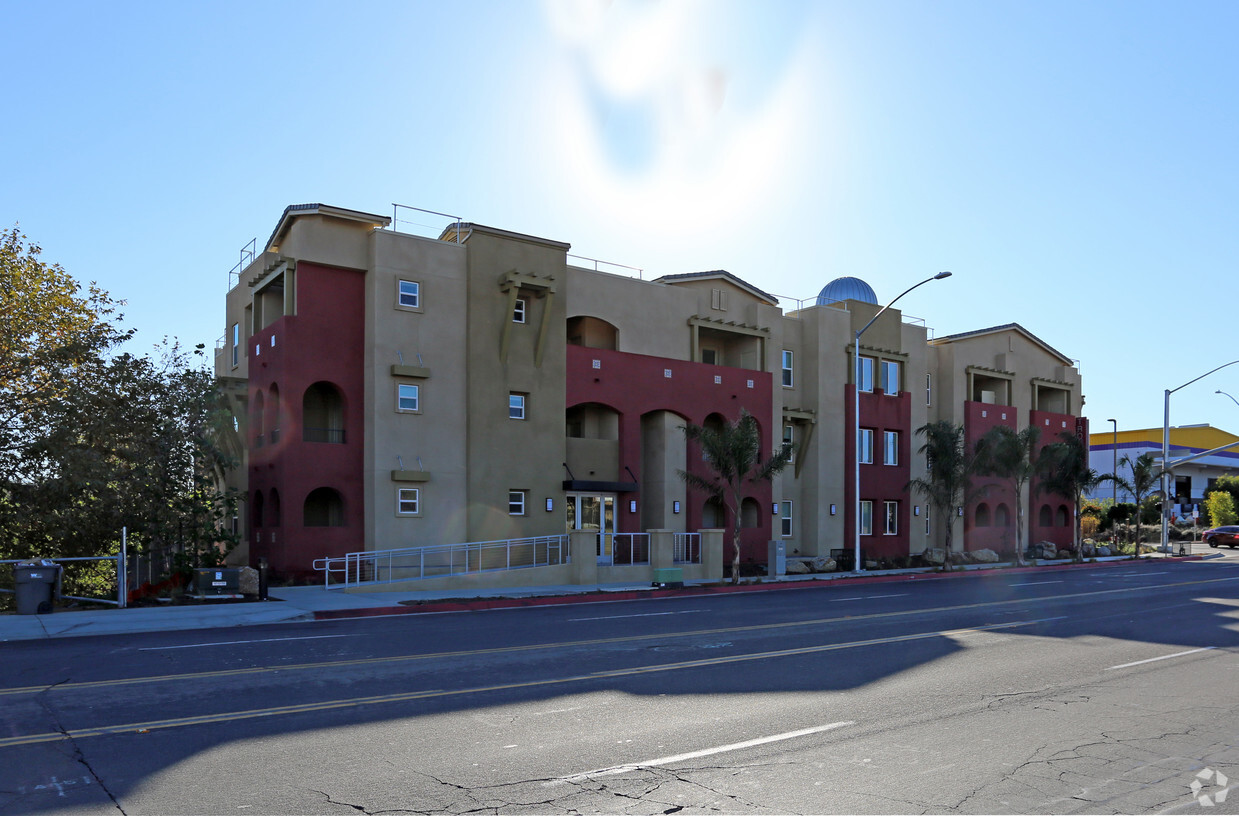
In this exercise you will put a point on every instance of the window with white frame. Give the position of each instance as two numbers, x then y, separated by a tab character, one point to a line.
516	502
516	405
865	446
929	389
787	369
927	520
892	518
789	442
890	447
866	518
236	344
864	373
518	311
408	501
786	520
408	398
889	383
409	294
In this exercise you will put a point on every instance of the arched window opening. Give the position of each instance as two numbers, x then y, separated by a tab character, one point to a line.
324	507
592	332
713	514
1002	516
1045	516
750	513
274	513
982	516
256	509
272	421
1062	516
322	412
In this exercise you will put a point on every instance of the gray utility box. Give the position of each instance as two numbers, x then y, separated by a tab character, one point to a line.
217	581
36	586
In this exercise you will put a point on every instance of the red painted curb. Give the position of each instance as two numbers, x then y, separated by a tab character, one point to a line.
479	604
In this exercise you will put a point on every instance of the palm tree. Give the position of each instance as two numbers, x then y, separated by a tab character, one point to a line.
1144	477
1014	458
948	482
1065	471
733	452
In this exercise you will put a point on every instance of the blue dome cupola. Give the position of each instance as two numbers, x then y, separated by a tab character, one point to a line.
841	289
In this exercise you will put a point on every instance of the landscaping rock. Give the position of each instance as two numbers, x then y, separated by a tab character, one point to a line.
1064	553
1049	550
248	582
935	556
798	568
1103	551
824	564
985	557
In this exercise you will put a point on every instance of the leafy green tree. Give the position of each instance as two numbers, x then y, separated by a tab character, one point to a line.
1065	471
949	482
1226	484
1014	458
92	440
1144	478
733	453
1221	508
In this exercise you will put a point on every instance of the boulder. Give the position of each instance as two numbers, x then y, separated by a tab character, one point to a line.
870	564
985	557
797	568
1047	550
1086	549
934	555
248	582
1064	553
824	564
1103	551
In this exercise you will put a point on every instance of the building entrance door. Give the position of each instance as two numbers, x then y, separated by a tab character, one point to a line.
594	512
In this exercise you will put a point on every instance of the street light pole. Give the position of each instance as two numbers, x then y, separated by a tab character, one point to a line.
857	565
1166	454
1232	399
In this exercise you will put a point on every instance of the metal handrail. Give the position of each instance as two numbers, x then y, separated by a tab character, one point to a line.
416	563
686	548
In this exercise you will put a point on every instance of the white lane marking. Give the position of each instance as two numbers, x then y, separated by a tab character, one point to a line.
735	746
236	642
1035	583
1163	657
868	597
642	615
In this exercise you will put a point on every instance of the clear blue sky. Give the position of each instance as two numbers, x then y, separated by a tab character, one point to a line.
1076	165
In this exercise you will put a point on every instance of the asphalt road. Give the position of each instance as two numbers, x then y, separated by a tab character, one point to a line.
1099	690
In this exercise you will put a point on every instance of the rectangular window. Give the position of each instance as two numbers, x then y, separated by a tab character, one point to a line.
709	356
866	518
718	300
864	373
236	344
890	377
929	389
409	294
865	443
516	406
408	398
787	519
408	501
787	369
927	520
892	518
516	502
518	311
890	447
789	442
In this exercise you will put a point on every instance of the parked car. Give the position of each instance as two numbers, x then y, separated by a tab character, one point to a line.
1218	536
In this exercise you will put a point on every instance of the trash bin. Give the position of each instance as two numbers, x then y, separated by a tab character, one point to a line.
36	585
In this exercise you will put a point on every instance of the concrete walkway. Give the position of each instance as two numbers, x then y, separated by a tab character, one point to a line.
308	603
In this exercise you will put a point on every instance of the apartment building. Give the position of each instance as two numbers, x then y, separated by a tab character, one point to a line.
394	390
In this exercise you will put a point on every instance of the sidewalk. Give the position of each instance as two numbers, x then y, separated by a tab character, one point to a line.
309	603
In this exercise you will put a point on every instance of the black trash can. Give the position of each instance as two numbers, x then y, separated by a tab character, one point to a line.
36	586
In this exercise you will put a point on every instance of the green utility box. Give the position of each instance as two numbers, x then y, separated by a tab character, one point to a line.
669	578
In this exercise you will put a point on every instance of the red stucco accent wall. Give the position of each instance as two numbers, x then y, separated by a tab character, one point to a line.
636	384
1051	426
979	419
879	482
323	342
